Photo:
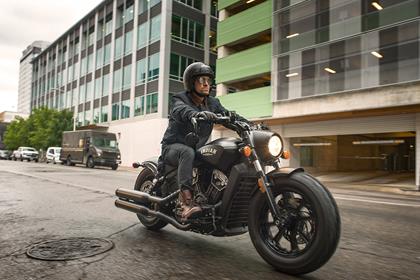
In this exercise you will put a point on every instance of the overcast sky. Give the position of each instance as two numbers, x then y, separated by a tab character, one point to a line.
25	21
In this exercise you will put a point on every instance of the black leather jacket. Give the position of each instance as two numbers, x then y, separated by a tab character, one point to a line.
180	119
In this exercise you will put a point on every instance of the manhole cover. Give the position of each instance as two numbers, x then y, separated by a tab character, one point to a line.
69	248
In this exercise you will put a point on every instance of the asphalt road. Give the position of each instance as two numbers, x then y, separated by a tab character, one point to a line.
38	202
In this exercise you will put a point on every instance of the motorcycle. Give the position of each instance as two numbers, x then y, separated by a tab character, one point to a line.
292	219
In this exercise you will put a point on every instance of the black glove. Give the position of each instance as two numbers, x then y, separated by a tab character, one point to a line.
206	115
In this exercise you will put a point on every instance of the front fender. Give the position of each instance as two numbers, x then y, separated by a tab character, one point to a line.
284	172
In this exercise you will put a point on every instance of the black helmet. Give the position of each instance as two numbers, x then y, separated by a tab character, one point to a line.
193	71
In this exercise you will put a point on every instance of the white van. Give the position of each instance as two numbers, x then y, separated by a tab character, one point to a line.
53	155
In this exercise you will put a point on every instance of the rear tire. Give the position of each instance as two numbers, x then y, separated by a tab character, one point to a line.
143	184
312	230
90	162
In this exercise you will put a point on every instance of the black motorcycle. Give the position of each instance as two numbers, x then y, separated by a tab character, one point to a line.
292	219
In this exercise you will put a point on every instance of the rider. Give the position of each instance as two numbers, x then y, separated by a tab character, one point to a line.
193	102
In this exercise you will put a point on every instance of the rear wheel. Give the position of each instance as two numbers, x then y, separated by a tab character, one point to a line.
306	236
90	163
144	184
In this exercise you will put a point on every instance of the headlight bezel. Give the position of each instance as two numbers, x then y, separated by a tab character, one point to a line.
261	140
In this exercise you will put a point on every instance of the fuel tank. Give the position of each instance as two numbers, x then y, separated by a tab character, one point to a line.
221	153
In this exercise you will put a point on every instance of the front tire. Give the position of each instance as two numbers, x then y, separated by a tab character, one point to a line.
144	184
312	225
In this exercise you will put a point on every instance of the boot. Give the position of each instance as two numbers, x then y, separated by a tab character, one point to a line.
185	198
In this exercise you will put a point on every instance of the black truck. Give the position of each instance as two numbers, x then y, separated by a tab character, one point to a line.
91	148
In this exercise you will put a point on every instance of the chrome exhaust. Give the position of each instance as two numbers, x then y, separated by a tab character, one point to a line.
138	209
143	197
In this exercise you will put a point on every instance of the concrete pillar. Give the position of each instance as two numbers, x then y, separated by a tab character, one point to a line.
417	147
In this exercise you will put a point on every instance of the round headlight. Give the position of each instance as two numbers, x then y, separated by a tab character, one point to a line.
275	146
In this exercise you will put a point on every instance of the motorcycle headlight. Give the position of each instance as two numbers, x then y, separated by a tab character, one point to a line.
275	146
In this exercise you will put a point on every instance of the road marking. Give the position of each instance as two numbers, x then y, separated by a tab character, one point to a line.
376	201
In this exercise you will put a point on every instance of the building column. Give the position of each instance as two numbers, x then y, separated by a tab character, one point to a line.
417	147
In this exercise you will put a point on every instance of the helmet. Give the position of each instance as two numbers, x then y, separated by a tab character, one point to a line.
193	71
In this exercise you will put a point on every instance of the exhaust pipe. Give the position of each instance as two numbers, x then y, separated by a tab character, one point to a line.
138	209
143	197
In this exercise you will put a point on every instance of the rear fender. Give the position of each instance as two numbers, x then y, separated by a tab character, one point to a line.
150	164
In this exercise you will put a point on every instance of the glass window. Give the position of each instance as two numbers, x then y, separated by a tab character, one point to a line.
153	72
142	35
98	87
89	63
118	47
143	6
87	116
154	2
99	58
80	118
127	77
107	53
119	17
125	109
69	99
91	38
187	31
128	42
129	13
96	115
76	70
105	86
155	29
108	26
82	94
104	113
141	71
115	111
74	95
117	81
83	66
139	106
88	91
101	30
152	103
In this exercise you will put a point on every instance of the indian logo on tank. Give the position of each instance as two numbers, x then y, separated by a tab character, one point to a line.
208	151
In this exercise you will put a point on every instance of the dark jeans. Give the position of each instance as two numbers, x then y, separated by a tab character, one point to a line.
182	156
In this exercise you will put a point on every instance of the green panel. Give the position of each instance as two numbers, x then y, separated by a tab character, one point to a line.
244	64
225	3
254	103
244	24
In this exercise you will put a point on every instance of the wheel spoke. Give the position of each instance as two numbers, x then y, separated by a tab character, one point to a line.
304	237
278	236
293	241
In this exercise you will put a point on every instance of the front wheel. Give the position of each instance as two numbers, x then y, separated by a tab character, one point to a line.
308	232
144	184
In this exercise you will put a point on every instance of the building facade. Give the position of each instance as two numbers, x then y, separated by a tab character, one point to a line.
25	75
118	67
340	80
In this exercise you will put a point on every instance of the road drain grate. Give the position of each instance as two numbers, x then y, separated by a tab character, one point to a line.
69	248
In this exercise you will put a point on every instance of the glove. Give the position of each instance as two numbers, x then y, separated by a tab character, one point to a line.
206	115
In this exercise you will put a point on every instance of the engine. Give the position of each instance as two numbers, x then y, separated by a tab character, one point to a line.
209	186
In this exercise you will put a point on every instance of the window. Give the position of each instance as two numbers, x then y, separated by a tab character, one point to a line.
178	64
82	94
153	72
107	53
80	119
99	58
117	81
87	119
91	37
142	35
125	109
196	4
98	87
89	91
141	71
139	106
89	63
96	115
128	42
118	48
68	99
76	70
213	9
127	77
151	103
187	31
74	95
105	85
108	25
129	13
101	30
115	111
119	17
104	113
155	29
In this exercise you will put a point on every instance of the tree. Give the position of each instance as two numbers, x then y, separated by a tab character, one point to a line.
43	128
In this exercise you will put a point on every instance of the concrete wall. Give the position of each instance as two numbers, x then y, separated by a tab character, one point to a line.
139	140
383	97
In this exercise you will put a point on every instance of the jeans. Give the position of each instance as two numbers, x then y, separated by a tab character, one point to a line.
182	156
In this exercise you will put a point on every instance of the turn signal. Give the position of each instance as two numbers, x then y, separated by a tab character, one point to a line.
246	151
286	155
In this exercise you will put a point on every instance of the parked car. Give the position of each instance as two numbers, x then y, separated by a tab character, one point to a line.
26	153
5	154
53	155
